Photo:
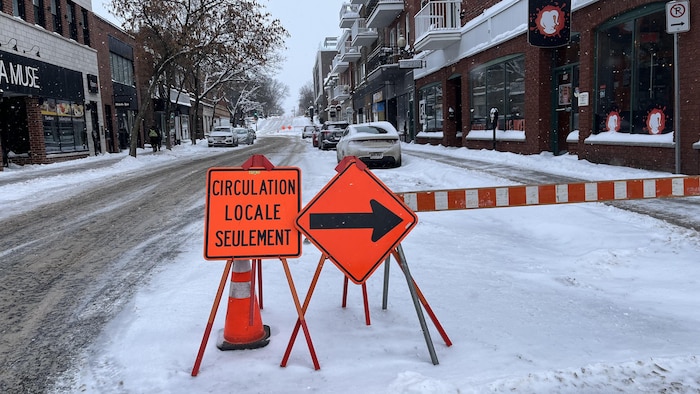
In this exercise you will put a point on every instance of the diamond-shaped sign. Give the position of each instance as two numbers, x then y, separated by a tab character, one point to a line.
356	220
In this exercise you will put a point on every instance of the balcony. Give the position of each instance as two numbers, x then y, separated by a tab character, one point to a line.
385	12
438	25
349	53
338	66
360	2
339	93
363	36
348	14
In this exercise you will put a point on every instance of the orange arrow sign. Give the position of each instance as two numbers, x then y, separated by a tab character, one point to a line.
356	221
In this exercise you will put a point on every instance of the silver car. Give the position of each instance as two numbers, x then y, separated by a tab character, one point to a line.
245	135
375	143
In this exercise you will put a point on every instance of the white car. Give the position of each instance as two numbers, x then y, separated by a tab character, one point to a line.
222	136
375	143
308	131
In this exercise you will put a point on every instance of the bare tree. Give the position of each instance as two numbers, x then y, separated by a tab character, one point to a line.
182	34
306	97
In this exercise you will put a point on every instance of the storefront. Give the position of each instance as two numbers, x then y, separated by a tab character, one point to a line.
43	111
607	95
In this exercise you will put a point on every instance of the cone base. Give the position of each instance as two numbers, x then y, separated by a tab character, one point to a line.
262	342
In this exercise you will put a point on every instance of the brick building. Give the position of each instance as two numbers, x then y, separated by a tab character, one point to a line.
608	95
439	69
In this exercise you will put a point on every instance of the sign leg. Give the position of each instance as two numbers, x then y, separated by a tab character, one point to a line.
212	315
385	293
416	303
345	291
401	259
301	310
260	285
366	303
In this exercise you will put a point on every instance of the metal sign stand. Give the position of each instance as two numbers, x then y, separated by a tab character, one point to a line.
416	295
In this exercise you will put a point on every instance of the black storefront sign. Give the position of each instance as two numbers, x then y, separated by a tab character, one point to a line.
125	96
22	75
93	87
549	23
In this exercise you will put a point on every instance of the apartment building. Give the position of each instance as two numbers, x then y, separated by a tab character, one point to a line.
439	70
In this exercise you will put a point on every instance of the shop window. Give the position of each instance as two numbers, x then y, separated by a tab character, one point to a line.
501	85
635	74
430	108
64	126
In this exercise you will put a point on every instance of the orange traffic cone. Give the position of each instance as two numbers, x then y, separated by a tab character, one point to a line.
243	328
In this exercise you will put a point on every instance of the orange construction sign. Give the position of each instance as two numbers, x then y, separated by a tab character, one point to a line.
356	221
250	213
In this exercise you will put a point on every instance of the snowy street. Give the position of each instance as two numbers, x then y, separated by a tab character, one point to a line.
106	290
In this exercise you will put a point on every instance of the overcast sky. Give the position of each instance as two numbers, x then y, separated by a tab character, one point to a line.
308	23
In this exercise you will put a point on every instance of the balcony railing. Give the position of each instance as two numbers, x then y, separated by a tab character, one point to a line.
338	65
348	14
362	35
349	53
340	92
438	24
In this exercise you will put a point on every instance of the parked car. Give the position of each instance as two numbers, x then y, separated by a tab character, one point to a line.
222	136
330	134
375	143
314	137
245	135
308	131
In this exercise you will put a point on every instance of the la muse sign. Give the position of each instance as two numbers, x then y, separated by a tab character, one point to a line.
23	75
20	75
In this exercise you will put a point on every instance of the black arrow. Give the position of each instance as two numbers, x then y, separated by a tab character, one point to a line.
381	220
678	24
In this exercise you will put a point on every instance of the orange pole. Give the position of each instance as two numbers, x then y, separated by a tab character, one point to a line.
301	310
212	315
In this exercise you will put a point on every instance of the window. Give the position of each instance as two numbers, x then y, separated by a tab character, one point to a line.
501	85
72	22
635	74
430	108
56	16
39	16
18	9
86	29
64	126
122	69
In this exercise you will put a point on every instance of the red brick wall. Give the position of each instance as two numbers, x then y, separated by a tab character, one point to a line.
538	112
662	159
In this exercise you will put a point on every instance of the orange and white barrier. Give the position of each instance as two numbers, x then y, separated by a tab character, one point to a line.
511	196
243	328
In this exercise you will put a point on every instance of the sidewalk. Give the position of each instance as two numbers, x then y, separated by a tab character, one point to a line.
16	173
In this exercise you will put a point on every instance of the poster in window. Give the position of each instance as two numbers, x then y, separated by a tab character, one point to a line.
565	94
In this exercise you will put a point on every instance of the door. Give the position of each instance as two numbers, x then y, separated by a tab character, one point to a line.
565	114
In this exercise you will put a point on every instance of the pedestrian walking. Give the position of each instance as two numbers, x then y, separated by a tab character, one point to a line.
153	138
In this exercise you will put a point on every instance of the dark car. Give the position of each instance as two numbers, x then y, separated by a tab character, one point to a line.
330	134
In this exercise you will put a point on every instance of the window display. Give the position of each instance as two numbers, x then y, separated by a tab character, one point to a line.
64	126
635	74
500	85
